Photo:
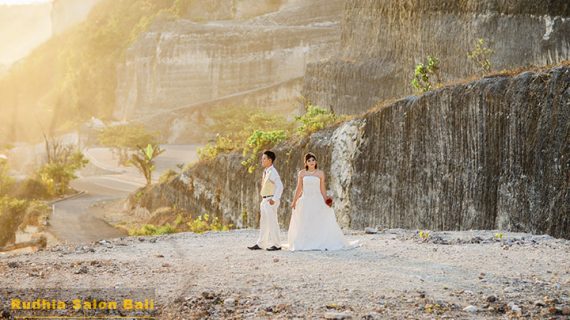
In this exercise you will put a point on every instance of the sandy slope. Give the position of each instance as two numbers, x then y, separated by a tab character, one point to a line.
393	275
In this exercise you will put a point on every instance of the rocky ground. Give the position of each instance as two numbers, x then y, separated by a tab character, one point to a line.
395	274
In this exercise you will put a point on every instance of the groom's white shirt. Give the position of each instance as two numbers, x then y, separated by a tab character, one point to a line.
272	175
268	222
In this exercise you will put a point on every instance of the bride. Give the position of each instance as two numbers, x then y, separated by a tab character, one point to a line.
313	223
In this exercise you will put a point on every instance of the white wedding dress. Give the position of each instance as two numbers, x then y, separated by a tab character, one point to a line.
313	224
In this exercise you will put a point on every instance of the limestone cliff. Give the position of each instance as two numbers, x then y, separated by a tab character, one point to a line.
382	41
253	52
493	153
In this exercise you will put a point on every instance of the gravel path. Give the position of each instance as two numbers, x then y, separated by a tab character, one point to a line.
394	275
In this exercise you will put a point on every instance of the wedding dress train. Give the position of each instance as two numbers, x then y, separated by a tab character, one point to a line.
313	224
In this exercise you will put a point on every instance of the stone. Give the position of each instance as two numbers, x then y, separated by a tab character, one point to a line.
82	270
514	307
539	303
471	309
338	315
370	230
208	295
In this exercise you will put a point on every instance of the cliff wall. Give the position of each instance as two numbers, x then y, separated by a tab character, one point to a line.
383	40
258	51
490	154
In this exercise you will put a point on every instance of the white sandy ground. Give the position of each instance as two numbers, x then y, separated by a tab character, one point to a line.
393	275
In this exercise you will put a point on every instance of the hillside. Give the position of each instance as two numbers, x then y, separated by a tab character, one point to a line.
73	76
131	60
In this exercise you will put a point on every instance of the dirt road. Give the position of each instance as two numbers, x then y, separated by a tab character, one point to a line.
394	275
77	220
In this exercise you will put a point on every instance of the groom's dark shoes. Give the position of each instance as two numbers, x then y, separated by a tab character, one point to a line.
255	247
274	248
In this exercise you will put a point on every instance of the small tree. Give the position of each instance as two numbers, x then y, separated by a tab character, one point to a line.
424	73
233	129
481	56
258	141
123	139
63	160
143	160
316	118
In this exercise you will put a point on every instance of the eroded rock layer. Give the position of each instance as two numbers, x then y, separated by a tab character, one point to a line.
491	154
383	40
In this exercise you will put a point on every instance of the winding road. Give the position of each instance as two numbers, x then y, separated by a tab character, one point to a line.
75	221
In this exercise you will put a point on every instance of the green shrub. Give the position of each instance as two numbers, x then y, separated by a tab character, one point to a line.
211	151
167	176
12	213
316	118
123	139
204	223
481	56
6	182
259	141
424	73
238	125
152	230
242	130
63	162
179	220
143	160
31	189
244	216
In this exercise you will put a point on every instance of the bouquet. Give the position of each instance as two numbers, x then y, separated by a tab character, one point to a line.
329	201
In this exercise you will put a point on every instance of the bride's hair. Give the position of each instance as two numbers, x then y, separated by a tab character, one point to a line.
308	156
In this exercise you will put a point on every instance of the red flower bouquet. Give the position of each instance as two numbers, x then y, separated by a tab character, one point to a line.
329	201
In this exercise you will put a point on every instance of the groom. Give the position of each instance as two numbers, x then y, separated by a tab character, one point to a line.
271	190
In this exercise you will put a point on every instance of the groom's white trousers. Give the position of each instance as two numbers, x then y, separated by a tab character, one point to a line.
268	225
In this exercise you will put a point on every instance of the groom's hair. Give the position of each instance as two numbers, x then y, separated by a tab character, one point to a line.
270	154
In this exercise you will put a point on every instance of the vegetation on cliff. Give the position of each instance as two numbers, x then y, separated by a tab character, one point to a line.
23	203
255	130
440	161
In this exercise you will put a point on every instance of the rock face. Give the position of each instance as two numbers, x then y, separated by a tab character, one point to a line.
257	57
399	34
483	155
